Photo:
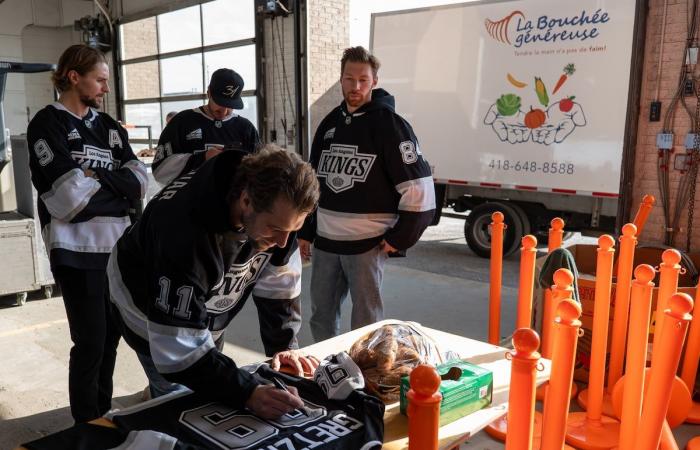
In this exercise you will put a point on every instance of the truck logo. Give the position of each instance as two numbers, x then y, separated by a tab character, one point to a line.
499	29
516	30
343	165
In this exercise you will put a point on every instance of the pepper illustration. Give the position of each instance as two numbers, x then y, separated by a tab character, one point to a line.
541	91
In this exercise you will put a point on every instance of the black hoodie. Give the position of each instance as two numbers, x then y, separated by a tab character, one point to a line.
375	182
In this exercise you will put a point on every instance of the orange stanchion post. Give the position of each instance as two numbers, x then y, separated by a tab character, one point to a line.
663	371
643	213
528	253
690	360
667	441
521	398
556	407
636	355
668	285
496	277
593	430
423	408
562	288
556	234
625	264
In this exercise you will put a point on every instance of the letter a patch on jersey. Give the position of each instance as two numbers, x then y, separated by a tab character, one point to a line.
114	138
343	165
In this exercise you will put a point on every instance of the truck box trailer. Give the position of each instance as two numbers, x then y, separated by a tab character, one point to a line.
519	106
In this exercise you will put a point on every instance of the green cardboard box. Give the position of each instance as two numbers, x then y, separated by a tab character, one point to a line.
471	392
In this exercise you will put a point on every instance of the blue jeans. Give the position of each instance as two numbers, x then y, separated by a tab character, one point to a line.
332	277
157	384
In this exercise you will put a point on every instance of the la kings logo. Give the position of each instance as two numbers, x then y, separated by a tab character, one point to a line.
91	157
343	165
227	293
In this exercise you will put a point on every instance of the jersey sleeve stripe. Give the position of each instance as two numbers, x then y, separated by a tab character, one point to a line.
139	170
97	235
352	227
175	349
280	282
417	195
170	168
69	194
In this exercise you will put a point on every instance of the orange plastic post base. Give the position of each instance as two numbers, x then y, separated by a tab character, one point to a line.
499	428
694	414
678	407
539	394
693	444
607	406
592	435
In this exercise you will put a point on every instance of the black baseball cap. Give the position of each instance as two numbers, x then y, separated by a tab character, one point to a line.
225	88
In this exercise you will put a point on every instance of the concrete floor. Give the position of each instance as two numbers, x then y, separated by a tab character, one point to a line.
441	284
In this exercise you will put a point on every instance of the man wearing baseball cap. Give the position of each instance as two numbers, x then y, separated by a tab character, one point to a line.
195	135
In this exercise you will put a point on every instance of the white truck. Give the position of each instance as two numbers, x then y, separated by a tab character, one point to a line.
519	106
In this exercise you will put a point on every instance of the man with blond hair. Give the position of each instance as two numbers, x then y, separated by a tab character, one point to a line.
86	176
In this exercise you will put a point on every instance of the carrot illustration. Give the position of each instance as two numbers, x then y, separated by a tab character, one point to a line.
569	70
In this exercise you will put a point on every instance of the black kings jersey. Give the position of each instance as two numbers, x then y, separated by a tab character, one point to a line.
375	182
179	276
187	137
82	217
355	423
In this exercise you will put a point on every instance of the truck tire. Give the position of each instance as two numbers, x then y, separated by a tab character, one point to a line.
476	228
523	218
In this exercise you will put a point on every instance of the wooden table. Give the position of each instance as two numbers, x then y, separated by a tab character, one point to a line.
451	435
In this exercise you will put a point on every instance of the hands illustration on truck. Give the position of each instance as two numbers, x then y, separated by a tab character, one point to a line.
508	128
544	127
561	122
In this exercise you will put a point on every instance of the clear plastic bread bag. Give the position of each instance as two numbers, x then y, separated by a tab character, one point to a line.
390	352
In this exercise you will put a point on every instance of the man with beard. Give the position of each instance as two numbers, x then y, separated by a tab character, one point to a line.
194	135
184	270
377	198
86	176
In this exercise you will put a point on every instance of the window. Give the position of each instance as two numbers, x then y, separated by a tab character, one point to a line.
227	21
167	60
182	75
178	106
240	59
179	30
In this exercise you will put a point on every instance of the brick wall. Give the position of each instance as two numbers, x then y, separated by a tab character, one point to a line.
329	35
140	39
645	170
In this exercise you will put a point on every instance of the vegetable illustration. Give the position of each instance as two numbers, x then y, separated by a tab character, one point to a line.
508	104
569	70
565	104
512	80
535	118
541	91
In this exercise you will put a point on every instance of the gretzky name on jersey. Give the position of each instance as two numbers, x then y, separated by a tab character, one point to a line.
227	293
343	165
231	429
